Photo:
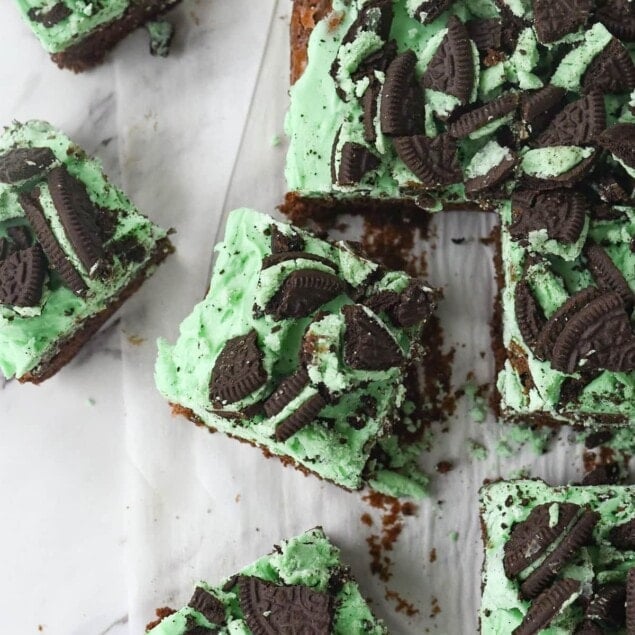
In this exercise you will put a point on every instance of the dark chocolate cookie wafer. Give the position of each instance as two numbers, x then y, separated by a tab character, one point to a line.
485	33
607	606
211	607
238	370
57	258
556	323
300	418
430	10
367	344
539	107
303	292
612	71
618	16
497	175
589	628
579	123
451	69
415	305
623	536
355	162
20	164
270	609
607	276
288	389
556	18
281	243
78	217
285	256
474	119
50	17
630	602
433	161
369	106
599	336
375	16
22	277
620	140
20	236
529	316
401	97
561	212
546	606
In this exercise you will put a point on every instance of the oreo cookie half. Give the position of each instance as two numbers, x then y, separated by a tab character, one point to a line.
553	19
22	276
21	164
433	161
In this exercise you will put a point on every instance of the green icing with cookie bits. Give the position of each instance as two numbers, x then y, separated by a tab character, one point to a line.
523	108
301	585
67	292
300	348
557	559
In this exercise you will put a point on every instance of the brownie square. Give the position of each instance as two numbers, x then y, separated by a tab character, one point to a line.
558	560
301	348
301	587
78	34
73	248
521	108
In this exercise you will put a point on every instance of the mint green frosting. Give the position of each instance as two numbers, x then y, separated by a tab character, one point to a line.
29	338
552	282
308	560
239	291
85	17
545	163
506	503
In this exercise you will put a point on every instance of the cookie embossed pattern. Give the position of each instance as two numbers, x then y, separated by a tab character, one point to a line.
521	108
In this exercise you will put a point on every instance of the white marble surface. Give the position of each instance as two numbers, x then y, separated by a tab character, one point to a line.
112	507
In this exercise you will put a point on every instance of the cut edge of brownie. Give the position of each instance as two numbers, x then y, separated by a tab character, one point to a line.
91	50
68	348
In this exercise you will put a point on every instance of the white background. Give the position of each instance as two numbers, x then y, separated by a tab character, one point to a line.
109	506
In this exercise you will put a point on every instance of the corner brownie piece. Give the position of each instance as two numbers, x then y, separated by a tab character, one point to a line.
558	560
78	34
300	347
523	108
302	587
72	249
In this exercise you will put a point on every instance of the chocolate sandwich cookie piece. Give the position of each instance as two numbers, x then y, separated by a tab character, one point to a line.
451	69
496	175
599	336
630	602
22	276
271	609
538	107
623	536
375	16
281	243
369	107
433	161
285	256
561	212
376	61
607	606
607	276
529	315
56	257
412	306
546	606
367	343
620	141
300	418
50	17
303	292
553	19
568	179
485	33
78	217
238	370
618	16
288	389
612	71
557	322
589	628
531	538
579	123
478	117
208	605
430	10
20	236
355	162
21	164
605	474
402	103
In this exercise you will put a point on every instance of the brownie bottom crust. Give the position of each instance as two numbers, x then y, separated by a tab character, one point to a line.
92	50
68	348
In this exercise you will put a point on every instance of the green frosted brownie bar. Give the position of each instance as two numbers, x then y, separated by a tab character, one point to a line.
300	347
72	249
302	587
79	33
558	560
